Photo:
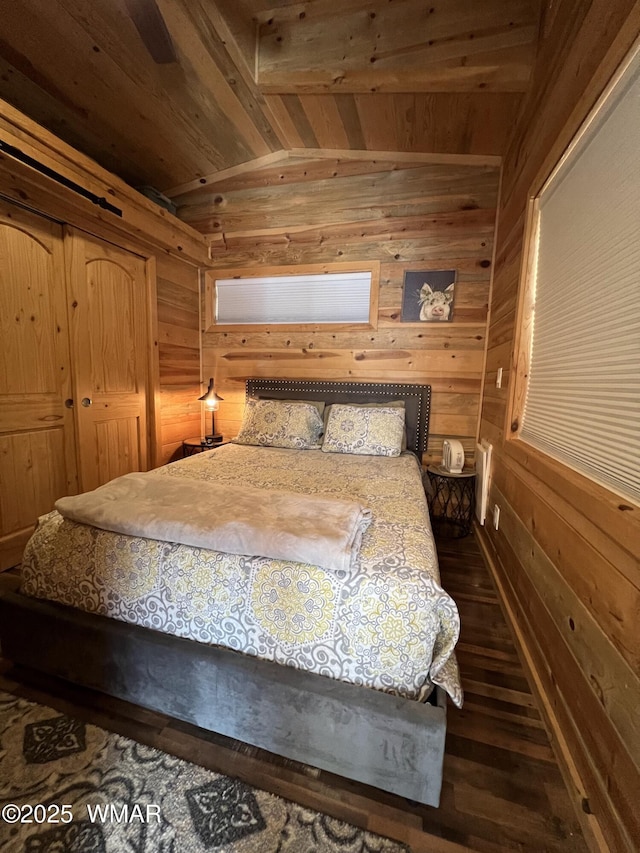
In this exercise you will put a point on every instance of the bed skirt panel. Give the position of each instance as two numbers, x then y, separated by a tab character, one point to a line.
362	734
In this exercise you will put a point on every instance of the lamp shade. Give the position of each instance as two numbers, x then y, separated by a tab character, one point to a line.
210	398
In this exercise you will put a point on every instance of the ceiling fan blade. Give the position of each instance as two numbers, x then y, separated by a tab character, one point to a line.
153	31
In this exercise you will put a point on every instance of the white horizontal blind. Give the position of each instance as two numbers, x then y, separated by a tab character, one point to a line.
583	398
327	298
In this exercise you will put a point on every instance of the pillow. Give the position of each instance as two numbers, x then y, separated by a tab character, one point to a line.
278	423
319	404
389	404
364	430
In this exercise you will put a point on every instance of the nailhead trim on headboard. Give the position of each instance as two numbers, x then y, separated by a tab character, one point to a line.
417	396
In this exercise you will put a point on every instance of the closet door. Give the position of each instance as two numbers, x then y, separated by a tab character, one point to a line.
37	448
109	350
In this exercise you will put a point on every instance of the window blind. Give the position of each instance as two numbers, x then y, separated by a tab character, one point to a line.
327	298
583	396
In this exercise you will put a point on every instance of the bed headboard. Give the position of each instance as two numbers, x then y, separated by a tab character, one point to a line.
417	399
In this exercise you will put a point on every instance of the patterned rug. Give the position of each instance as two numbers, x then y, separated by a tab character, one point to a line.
70	787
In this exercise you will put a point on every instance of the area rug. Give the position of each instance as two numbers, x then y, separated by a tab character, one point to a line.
71	787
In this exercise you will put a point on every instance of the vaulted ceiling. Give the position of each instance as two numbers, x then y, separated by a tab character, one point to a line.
175	93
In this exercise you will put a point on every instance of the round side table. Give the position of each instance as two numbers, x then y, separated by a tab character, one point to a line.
452	500
198	444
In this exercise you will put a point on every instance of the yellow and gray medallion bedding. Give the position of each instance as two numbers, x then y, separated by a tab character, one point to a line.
384	621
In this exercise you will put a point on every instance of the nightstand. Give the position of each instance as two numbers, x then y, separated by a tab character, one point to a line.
452	500
198	444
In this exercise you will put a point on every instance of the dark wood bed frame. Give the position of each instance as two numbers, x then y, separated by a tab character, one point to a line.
391	743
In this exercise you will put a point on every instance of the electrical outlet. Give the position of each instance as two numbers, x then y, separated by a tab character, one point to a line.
496	516
499	378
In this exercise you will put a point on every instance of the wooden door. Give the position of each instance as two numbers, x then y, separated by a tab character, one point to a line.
37	447
109	348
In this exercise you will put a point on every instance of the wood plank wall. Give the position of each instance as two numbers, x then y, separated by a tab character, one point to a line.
407	217
178	355
566	556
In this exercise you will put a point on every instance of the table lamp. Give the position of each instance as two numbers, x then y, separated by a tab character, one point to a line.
211	400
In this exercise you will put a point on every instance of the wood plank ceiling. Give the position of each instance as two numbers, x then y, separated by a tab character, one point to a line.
233	83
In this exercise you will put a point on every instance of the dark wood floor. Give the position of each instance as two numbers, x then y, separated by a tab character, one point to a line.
502	789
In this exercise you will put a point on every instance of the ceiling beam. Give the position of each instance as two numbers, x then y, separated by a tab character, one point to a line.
231	172
406	158
407	46
497	78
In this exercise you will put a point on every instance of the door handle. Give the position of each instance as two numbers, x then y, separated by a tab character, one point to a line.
86	402
69	403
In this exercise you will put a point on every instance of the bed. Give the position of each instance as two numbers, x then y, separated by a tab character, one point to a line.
344	667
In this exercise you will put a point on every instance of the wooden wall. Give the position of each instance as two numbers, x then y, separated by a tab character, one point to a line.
178	356
566	555
407	217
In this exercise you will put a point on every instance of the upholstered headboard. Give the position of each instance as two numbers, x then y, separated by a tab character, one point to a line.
417	399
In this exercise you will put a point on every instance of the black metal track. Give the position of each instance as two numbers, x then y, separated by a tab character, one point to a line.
17	154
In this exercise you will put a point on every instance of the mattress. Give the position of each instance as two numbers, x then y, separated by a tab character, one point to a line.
385	623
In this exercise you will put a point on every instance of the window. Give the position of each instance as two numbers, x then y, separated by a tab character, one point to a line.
581	365
299	296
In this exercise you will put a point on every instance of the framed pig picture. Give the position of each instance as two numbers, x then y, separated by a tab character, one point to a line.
428	296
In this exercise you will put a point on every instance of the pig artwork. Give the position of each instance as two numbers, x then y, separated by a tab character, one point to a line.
435	305
428	296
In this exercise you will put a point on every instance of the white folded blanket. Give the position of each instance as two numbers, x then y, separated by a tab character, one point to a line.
316	529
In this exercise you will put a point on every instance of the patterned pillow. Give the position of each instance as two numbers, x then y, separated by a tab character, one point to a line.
277	423
360	430
389	404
